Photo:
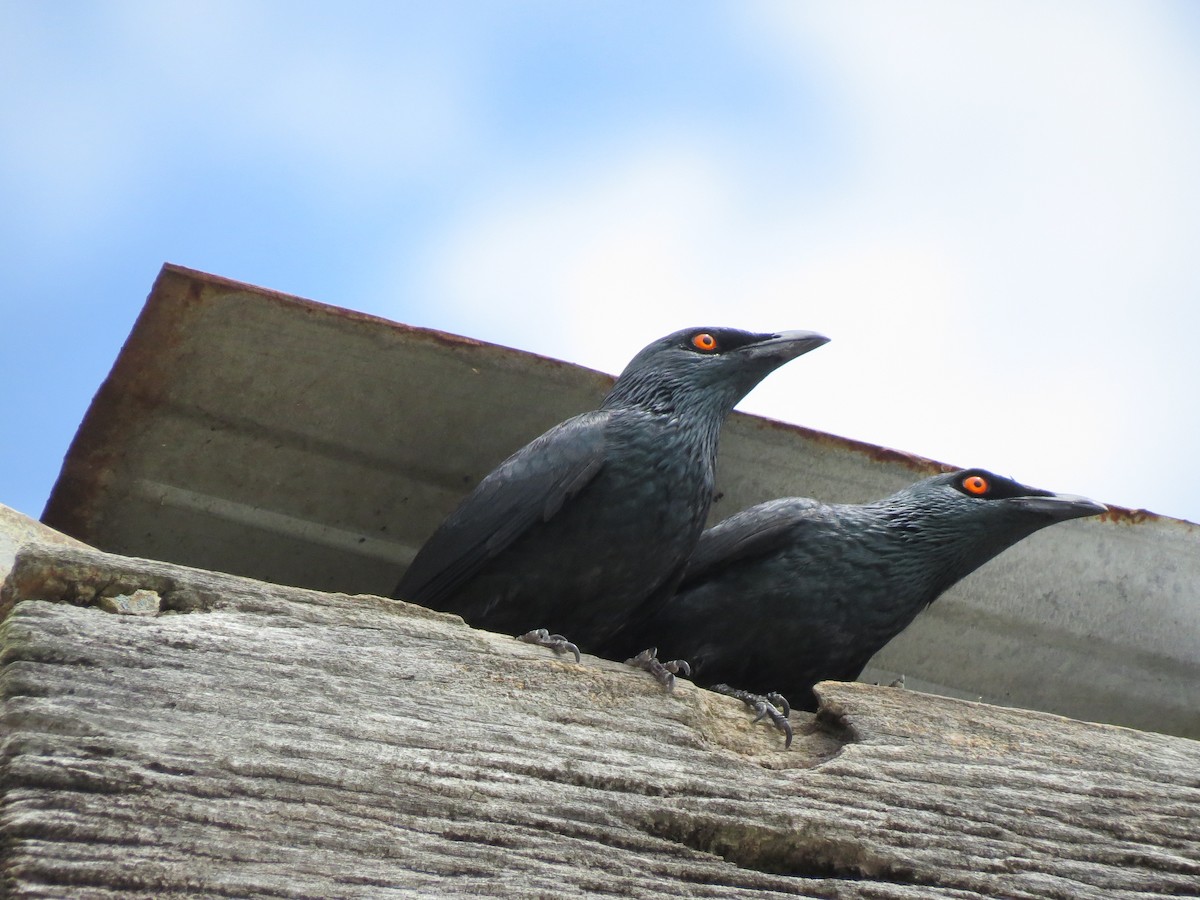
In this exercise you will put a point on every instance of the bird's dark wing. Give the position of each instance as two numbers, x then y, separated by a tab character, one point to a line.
530	486
753	532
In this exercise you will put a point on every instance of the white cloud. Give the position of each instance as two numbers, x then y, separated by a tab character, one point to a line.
314	88
1004	276
65	149
139	99
660	240
577	255
1004	253
67	172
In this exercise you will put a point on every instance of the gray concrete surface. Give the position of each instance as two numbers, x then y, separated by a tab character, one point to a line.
250	432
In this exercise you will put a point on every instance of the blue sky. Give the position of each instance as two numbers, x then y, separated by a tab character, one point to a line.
992	208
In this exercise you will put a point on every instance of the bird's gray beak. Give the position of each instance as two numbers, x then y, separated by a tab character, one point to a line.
1061	507
786	345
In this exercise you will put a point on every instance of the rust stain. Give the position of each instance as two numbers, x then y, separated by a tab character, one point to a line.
136	383
1122	515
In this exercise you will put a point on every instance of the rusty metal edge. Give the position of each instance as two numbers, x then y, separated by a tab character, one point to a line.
133	386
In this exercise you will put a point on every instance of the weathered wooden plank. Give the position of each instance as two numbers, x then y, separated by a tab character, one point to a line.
255	740
17	529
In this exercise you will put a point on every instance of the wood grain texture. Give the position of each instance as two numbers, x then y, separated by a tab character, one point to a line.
263	741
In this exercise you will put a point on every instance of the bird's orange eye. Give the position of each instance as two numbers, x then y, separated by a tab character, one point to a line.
976	484
704	341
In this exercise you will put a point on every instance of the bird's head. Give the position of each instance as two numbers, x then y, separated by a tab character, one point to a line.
971	515
978	493
705	369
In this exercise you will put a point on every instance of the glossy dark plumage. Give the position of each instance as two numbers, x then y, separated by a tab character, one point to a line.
598	515
793	591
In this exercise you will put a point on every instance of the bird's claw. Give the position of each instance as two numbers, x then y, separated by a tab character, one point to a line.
556	642
764	707
664	672
780	702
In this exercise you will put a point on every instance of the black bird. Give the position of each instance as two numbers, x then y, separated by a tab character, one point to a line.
596	517
793	591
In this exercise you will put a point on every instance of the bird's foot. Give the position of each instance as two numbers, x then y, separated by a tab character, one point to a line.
556	642
664	672
773	706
